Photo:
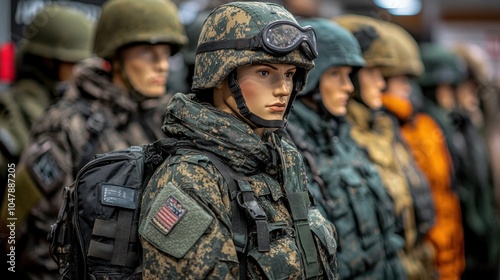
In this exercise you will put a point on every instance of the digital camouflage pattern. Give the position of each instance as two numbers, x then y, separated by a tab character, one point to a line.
350	194
54	153
240	20
147	21
370	33
275	170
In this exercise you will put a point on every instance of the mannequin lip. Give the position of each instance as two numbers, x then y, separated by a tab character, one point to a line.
278	107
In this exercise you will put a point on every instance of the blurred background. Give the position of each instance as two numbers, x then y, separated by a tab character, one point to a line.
444	21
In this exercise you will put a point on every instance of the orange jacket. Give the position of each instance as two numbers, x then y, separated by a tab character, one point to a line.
427	142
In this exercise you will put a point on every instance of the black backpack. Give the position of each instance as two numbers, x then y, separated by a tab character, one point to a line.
96	232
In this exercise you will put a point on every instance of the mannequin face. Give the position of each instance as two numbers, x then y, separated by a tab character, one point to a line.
399	86
335	87
467	97
146	66
266	89
445	97
66	70
371	83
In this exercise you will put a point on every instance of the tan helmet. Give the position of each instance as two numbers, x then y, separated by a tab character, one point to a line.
370	33
477	62
408	61
59	32
124	22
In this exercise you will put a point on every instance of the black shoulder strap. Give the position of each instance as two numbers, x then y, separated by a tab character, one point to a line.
239	220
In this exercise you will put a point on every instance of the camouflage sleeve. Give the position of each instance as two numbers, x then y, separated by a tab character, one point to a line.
185	224
43	171
325	234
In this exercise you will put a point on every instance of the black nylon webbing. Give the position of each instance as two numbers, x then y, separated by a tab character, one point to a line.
122	237
238	218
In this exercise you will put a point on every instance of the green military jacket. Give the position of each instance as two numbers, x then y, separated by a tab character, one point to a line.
197	242
350	193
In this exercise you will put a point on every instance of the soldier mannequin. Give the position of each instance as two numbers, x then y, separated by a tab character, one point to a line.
343	180
242	97
114	101
44	58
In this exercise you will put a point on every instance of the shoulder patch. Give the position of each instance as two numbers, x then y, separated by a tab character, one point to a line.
44	167
174	222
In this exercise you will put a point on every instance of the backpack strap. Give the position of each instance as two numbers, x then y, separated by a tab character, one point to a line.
240	233
96	124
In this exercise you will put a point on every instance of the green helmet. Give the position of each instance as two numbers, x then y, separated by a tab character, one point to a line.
336	47
124	22
371	36
408	61
241	20
59	32
442	66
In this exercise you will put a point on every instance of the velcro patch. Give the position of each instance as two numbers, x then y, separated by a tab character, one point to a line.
175	221
168	215
45	168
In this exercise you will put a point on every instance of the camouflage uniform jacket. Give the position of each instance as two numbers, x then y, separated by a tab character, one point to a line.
20	106
56	148
376	132
200	245
350	192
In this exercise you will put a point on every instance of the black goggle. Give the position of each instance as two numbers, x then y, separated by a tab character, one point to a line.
278	38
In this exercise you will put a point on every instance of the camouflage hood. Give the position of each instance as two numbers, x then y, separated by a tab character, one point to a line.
93	82
218	132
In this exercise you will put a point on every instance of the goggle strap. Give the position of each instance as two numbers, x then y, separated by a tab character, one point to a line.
234	44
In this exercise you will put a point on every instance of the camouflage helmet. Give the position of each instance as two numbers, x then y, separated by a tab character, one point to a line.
124	22
407	53
370	33
442	66
59	32
336	47
241	20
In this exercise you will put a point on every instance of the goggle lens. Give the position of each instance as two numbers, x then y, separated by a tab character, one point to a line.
284	37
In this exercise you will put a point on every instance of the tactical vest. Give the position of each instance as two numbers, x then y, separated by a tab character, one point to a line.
352	196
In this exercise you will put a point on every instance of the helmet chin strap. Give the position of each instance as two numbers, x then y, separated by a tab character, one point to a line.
245	112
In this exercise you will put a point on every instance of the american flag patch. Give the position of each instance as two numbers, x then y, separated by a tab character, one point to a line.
169	215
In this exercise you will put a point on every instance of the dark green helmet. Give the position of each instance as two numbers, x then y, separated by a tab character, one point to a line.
59	32
441	66
241	20
336	47
123	22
